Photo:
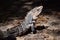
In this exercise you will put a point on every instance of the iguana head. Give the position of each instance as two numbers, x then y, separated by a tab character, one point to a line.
36	11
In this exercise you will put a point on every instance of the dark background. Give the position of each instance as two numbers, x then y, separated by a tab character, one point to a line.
16	8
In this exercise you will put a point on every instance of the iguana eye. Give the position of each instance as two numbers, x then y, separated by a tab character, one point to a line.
37	9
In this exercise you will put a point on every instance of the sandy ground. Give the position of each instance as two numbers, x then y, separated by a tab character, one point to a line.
51	31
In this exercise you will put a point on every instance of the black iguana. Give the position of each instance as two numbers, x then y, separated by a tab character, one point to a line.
25	25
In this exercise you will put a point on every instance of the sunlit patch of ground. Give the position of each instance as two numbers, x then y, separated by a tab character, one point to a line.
52	32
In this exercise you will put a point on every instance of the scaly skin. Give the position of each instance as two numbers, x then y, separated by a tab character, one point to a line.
25	25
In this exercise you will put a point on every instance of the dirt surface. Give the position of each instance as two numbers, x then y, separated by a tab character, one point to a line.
50	32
